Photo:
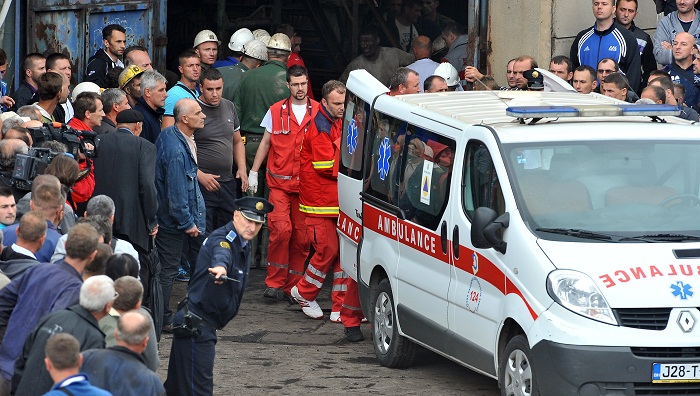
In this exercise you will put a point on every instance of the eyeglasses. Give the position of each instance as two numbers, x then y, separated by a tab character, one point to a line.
116	295
605	72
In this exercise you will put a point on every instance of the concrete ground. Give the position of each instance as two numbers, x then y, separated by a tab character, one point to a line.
275	349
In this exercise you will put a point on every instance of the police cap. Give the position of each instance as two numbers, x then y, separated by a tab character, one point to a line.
254	208
535	80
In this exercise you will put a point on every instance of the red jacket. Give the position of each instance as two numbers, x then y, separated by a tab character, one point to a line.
318	178
285	144
83	188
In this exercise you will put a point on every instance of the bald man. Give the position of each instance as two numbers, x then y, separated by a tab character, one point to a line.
681	70
181	212
422	48
107	368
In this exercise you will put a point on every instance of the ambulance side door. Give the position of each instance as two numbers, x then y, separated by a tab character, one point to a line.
362	90
422	177
477	289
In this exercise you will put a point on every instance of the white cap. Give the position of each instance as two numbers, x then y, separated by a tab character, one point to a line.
205	36
240	38
280	41
256	49
85	87
448	72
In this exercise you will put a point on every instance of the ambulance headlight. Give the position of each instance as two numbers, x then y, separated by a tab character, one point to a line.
578	293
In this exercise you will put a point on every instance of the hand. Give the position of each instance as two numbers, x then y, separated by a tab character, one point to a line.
471	74
218	272
7	101
240	174
208	181
253	182
666	45
192	232
154	231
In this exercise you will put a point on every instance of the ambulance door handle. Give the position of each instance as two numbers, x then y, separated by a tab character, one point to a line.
443	237
455	242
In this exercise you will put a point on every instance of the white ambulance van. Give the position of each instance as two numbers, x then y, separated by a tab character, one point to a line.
548	240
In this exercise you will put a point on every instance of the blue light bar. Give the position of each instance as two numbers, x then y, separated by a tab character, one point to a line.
648	110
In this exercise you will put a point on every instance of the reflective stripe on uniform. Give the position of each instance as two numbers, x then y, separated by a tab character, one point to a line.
316	272
313	281
277	265
296	272
320	210
340	275
323	164
350	307
341	287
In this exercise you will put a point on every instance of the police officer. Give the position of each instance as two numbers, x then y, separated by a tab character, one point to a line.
214	295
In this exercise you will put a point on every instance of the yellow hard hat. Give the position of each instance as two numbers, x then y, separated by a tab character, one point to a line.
128	74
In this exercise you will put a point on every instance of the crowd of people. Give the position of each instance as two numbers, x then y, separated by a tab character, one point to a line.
233	164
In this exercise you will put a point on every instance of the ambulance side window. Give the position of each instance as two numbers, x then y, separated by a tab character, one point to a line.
353	137
481	184
387	144
425	185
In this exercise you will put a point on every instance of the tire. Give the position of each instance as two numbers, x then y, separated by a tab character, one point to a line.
392	349
516	376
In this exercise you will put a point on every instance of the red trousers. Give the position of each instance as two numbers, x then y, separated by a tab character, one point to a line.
351	312
289	246
321	232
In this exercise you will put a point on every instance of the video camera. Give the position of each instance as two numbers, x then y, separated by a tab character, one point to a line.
73	139
28	166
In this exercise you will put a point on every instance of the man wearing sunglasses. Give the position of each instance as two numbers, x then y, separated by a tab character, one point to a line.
285	123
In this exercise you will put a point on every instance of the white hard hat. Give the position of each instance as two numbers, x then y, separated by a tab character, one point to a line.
240	38
256	49
280	41
448	72
205	36
85	87
258	33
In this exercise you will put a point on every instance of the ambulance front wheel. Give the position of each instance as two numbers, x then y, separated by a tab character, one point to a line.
392	349
517	376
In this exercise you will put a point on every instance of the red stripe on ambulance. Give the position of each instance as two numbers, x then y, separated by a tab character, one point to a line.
428	242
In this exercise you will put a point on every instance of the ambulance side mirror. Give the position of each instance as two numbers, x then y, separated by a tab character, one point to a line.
486	229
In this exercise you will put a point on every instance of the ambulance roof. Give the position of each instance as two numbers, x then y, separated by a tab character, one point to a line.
490	108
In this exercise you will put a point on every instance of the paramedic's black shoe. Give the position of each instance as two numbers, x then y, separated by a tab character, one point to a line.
354	334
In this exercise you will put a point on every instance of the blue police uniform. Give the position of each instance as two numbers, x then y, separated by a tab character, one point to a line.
191	366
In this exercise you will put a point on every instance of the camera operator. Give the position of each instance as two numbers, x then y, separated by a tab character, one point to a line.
66	170
9	148
88	115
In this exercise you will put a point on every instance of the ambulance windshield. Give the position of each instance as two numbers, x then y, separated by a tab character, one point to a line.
633	189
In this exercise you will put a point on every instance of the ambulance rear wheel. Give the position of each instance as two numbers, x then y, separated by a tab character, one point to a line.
517	376
392	349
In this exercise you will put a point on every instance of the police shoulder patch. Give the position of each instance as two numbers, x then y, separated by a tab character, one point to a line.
231	236
225	245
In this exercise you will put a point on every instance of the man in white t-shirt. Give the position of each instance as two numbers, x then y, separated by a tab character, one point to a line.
285	123
402	26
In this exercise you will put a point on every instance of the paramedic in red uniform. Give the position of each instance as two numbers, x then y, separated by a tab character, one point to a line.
286	123
318	193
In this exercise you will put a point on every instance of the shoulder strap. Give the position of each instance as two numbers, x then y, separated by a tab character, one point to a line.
113	243
66	391
684	73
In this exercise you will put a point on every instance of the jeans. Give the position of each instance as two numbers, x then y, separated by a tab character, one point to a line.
169	244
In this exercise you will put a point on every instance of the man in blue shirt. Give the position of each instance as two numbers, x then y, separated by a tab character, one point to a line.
607	39
63	361
190	69
181	212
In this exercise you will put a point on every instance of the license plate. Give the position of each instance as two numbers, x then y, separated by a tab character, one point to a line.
676	372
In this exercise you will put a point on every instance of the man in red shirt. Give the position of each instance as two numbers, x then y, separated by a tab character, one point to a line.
88	115
318	196
286	124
